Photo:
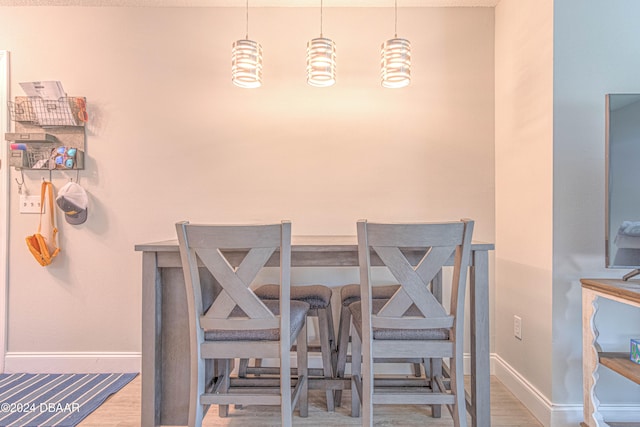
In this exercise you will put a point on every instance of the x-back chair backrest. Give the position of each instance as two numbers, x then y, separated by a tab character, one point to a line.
440	241
208	244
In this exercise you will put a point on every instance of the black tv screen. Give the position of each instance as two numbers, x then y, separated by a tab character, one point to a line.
622	181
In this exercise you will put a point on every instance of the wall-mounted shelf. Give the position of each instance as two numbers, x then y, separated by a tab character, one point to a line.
42	127
66	111
31	137
45	155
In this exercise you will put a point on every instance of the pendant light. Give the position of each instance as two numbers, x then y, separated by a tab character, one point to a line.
246	61
396	60
321	60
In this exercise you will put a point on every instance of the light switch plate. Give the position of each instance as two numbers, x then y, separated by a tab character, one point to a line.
517	327
30	204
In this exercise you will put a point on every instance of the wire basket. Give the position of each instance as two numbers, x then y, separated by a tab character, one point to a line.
40	158
67	111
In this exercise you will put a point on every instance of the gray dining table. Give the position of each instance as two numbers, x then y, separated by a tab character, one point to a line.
165	346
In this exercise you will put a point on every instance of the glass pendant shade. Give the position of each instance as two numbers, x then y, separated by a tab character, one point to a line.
321	62
396	63
246	64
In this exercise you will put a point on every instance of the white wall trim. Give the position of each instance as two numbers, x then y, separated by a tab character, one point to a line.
551	414
524	391
620	413
4	213
78	362
467	364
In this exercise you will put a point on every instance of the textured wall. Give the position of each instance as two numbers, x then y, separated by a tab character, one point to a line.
524	187
170	138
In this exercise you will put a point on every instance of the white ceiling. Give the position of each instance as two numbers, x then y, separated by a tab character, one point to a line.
254	3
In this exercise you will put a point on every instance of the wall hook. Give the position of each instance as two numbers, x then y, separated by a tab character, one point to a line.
20	184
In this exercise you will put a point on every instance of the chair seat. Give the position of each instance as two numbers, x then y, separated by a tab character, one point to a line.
317	296
298	315
396	334
351	293
319	299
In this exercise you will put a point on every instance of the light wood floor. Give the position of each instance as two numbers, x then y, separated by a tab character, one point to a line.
123	410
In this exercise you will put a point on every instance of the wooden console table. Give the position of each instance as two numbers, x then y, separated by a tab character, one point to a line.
165	350
626	292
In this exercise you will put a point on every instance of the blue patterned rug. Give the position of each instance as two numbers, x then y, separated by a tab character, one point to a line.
60	400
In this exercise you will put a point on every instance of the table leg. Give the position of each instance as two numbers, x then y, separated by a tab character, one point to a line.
151	342
480	352
590	350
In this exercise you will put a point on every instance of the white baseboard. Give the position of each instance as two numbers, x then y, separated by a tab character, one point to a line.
80	362
535	401
467	364
620	413
93	362
551	414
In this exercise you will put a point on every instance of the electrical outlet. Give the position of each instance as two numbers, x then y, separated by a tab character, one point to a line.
517	327
30	204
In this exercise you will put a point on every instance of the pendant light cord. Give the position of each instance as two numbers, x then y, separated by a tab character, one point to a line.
396	23
247	34
320	18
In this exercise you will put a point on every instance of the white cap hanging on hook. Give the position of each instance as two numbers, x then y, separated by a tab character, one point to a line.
73	200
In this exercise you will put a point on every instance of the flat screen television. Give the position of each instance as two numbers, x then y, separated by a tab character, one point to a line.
622	217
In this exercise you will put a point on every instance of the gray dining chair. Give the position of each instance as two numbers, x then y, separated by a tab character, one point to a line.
348	295
319	299
235	323
412	323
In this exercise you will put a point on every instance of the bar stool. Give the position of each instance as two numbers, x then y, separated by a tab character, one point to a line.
348	295
413	321
319	299
237	324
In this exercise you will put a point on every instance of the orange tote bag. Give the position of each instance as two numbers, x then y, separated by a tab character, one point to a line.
37	243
